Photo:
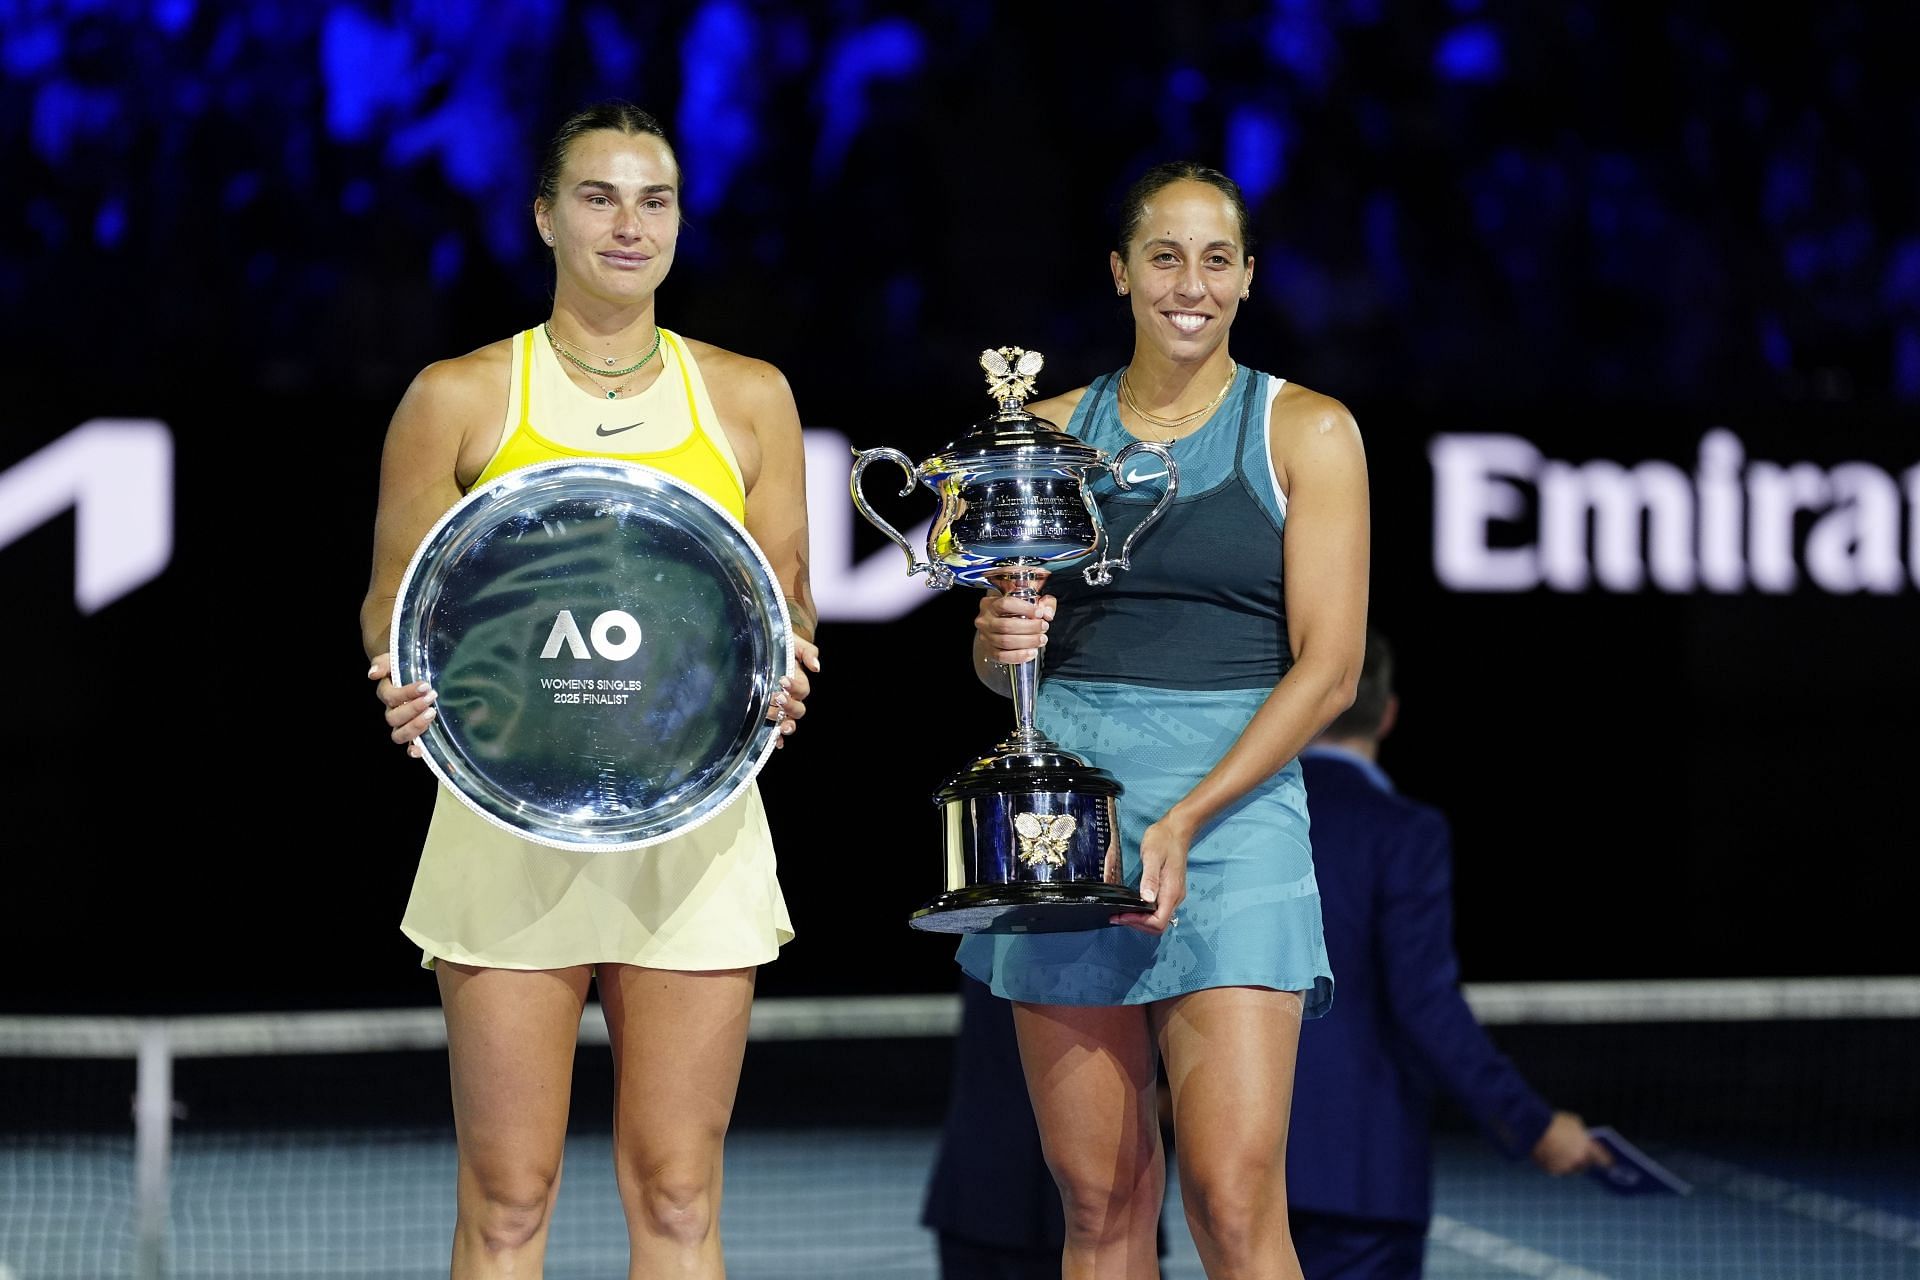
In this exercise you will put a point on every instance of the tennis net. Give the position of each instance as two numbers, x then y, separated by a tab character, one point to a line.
320	1145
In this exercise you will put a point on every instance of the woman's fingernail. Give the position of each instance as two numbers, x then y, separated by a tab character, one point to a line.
430	713
788	726
430	696
373	670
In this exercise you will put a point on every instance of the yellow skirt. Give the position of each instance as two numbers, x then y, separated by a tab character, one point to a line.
708	899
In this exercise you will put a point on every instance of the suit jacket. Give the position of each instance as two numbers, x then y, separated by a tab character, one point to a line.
1359	1141
990	1182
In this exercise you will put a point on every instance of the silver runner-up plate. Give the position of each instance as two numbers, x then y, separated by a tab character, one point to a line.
606	641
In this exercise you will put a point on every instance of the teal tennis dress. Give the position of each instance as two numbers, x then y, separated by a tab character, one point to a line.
1153	678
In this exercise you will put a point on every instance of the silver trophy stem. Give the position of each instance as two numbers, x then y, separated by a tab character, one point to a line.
1020	581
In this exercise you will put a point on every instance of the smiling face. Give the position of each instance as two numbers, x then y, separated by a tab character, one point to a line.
614	218
1185	271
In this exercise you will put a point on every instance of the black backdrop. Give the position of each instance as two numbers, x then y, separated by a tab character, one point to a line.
202	811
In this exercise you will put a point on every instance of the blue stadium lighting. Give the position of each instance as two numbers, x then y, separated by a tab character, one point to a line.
1298	39
1256	151
1789	188
1471	54
615	54
110	224
1187	84
1906	363
890	49
716	117
174	16
449	256
1364	13
1774	345
1382	228
356	199
28	50
64	113
367	68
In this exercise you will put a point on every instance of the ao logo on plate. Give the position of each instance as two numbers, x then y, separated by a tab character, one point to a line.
566	632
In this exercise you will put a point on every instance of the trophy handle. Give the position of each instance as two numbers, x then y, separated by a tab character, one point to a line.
939	577
1100	573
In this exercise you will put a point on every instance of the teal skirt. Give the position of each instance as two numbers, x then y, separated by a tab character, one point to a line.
1251	917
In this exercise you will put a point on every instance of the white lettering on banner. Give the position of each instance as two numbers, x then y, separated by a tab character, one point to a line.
877	588
1508	518
117	475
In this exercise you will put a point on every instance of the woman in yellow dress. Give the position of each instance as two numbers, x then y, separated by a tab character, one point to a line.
516	931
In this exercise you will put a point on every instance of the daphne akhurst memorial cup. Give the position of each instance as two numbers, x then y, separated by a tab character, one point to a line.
1031	831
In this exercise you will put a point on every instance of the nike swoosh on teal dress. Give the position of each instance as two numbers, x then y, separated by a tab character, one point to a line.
1153	678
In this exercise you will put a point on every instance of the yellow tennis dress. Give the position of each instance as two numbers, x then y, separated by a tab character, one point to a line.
704	900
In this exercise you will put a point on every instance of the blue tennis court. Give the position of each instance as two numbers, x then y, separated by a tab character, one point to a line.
315	1146
831	1203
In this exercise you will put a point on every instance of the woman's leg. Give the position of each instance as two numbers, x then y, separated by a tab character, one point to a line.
510	1039
678	1039
1090	1072
1229	1055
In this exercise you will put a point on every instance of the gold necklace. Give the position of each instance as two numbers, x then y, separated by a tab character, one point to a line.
1180	420
613	393
556	341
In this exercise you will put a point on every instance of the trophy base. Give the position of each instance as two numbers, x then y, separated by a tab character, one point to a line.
1027	908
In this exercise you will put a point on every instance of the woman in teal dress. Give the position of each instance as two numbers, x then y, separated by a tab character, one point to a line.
1196	677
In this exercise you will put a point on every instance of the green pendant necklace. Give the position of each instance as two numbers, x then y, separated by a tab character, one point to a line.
577	362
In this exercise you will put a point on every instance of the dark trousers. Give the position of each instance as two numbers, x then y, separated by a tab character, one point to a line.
965	1260
1333	1247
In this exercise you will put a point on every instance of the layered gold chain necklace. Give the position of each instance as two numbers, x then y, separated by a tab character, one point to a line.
560	346
1179	420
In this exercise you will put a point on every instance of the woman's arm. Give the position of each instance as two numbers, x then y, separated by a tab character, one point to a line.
1323	471
420	470
1006	629
759	395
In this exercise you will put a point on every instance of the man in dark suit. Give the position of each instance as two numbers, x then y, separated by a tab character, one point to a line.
1359	1152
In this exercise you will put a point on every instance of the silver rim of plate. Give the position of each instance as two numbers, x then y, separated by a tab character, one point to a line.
605	641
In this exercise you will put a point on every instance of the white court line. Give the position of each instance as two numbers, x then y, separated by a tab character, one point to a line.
1805	1202
1509	1255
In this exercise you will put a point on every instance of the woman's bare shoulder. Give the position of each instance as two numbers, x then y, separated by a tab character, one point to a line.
453	408
1058	409
732	376
457	379
1303	415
